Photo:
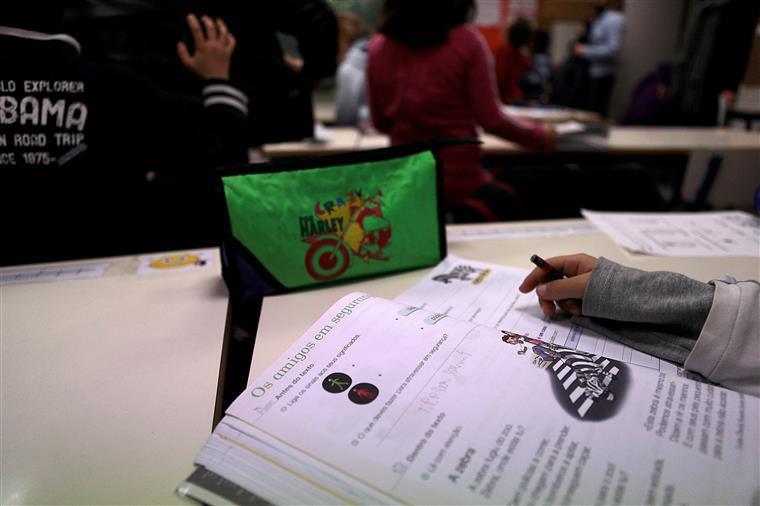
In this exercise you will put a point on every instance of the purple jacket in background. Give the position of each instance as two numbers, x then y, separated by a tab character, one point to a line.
647	106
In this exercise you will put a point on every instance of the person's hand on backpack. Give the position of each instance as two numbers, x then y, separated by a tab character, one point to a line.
213	49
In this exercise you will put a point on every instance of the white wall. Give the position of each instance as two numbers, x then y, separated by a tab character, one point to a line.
561	34
651	37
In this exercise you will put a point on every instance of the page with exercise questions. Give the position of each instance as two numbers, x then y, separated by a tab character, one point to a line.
426	408
487	294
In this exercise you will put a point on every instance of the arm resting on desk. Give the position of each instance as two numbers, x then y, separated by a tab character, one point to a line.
485	102
711	329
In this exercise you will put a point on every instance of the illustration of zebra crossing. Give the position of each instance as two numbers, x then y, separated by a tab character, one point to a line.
585	379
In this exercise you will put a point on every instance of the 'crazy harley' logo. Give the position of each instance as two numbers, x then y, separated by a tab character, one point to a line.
349	226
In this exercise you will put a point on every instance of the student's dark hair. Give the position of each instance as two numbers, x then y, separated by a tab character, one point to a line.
38	15
423	22
519	33
540	41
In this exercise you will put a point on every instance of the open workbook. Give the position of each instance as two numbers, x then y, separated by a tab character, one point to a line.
461	392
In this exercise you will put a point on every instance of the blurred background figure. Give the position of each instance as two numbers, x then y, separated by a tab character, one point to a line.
571	82
648	105
430	76
536	83
604	41
350	30
284	48
712	61
99	160
350	81
512	60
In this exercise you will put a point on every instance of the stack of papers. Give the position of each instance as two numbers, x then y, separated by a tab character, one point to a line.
713	234
569	127
496	231
459	391
537	113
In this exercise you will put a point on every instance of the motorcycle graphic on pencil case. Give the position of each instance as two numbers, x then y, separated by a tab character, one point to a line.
348	227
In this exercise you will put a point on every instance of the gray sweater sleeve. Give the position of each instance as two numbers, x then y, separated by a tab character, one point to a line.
712	329
631	295
660	313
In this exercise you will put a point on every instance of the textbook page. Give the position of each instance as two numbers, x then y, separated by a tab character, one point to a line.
705	234
382	403
487	294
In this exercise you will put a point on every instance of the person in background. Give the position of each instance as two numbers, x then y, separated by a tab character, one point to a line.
571	81
430	76
350	82
87	150
649	100
536	83
512	60
712	329
605	39
350	30
142	36
281	86
712	61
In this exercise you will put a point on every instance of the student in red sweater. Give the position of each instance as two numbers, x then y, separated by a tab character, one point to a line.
430	76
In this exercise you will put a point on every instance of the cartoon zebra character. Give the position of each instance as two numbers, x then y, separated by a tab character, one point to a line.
460	272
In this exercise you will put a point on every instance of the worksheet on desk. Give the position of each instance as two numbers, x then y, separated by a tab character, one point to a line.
380	402
487	294
705	234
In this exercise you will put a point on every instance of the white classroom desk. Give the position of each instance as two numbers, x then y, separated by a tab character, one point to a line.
108	384
324	111
649	141
285	317
343	140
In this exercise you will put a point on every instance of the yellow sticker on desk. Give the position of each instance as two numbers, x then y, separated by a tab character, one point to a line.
176	261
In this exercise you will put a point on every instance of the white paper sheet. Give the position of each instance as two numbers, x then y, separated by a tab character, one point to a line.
569	127
537	113
486	232
50	274
706	234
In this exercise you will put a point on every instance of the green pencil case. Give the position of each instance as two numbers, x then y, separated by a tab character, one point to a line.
299	223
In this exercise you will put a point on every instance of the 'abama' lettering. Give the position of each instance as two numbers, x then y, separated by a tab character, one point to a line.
33	111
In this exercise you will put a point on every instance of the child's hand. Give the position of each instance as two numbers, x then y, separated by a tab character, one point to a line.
295	64
566	293
213	50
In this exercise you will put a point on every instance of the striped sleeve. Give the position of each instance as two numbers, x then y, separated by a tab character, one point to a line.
221	93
